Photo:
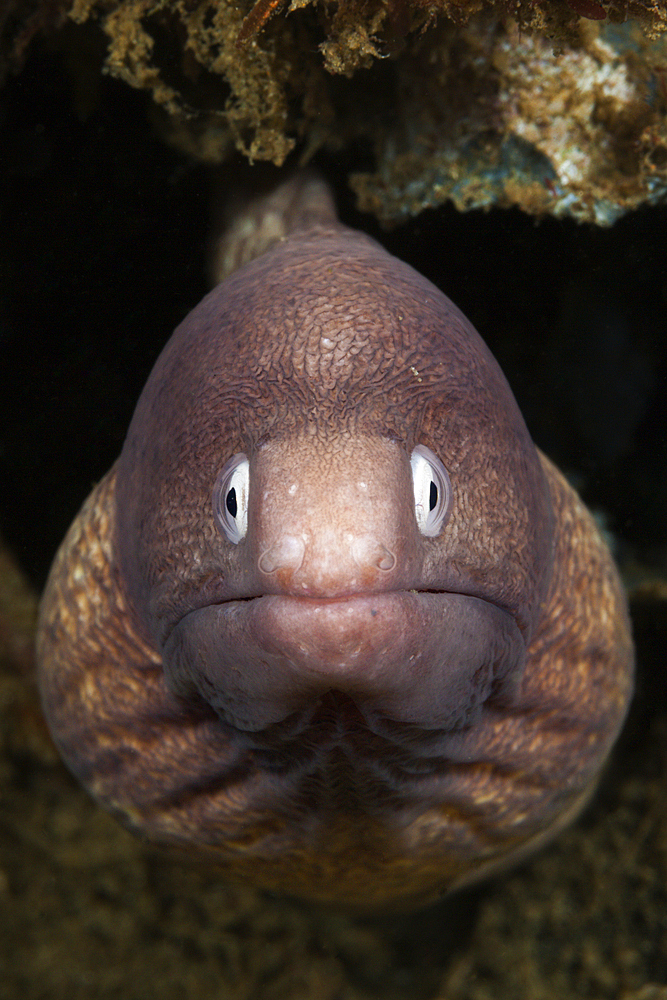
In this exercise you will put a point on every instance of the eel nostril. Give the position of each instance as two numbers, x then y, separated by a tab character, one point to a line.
286	553
368	552
294	552
386	560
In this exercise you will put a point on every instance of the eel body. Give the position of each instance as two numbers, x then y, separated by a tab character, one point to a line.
332	621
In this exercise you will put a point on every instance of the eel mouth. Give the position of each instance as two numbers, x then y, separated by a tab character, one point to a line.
423	658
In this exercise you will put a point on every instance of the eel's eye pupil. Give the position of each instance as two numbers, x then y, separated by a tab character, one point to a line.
432	491
230	498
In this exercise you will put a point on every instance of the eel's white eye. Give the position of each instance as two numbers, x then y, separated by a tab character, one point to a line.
230	498
433	491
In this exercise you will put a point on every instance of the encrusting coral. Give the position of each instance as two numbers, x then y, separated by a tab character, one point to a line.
556	106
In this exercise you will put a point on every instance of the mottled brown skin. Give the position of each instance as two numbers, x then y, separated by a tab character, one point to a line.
335	725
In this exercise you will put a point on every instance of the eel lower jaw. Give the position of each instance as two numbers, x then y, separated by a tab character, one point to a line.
423	658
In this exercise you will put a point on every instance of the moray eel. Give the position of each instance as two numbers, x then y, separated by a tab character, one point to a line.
332	621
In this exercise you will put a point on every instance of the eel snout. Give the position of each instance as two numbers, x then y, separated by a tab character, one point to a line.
338	599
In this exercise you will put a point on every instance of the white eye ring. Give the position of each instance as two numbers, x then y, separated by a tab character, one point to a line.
433	491
230	498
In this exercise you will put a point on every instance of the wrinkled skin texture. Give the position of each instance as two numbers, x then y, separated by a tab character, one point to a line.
336	707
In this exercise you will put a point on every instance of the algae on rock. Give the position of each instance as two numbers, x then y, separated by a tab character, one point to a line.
481	103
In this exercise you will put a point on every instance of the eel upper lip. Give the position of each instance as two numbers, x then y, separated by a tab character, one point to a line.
330	601
344	598
324	600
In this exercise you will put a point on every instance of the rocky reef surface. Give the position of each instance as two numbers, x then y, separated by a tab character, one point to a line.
555	106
